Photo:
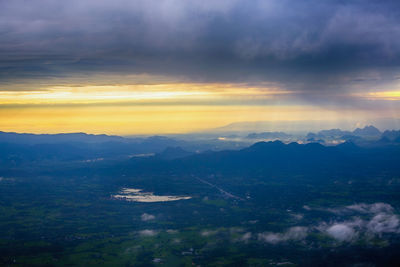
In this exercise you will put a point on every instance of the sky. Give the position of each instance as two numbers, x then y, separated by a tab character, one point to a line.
167	66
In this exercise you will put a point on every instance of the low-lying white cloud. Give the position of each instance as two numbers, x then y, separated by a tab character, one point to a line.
371	208
208	232
147	232
384	223
383	219
341	232
294	233
147	217
246	237
358	222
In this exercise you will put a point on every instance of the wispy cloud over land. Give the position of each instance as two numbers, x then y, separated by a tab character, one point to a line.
356	223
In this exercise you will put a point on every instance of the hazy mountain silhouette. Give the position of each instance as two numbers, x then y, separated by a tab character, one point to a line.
173	153
391	135
28	138
268	158
268	135
367	131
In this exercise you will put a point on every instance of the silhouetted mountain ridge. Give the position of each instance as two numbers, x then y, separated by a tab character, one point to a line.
264	159
28	138
268	135
173	153
366	132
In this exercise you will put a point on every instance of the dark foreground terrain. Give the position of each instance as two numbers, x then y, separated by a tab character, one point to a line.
270	204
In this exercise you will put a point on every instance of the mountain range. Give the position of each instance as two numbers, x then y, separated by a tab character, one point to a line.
367	131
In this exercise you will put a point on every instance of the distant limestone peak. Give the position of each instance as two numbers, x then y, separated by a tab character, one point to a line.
367	131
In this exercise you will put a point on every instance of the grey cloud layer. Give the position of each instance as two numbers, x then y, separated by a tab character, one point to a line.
302	44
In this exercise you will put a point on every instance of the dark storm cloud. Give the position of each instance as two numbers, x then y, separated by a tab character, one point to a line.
304	45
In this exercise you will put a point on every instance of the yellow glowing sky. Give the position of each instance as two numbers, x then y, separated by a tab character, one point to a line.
157	108
135	93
